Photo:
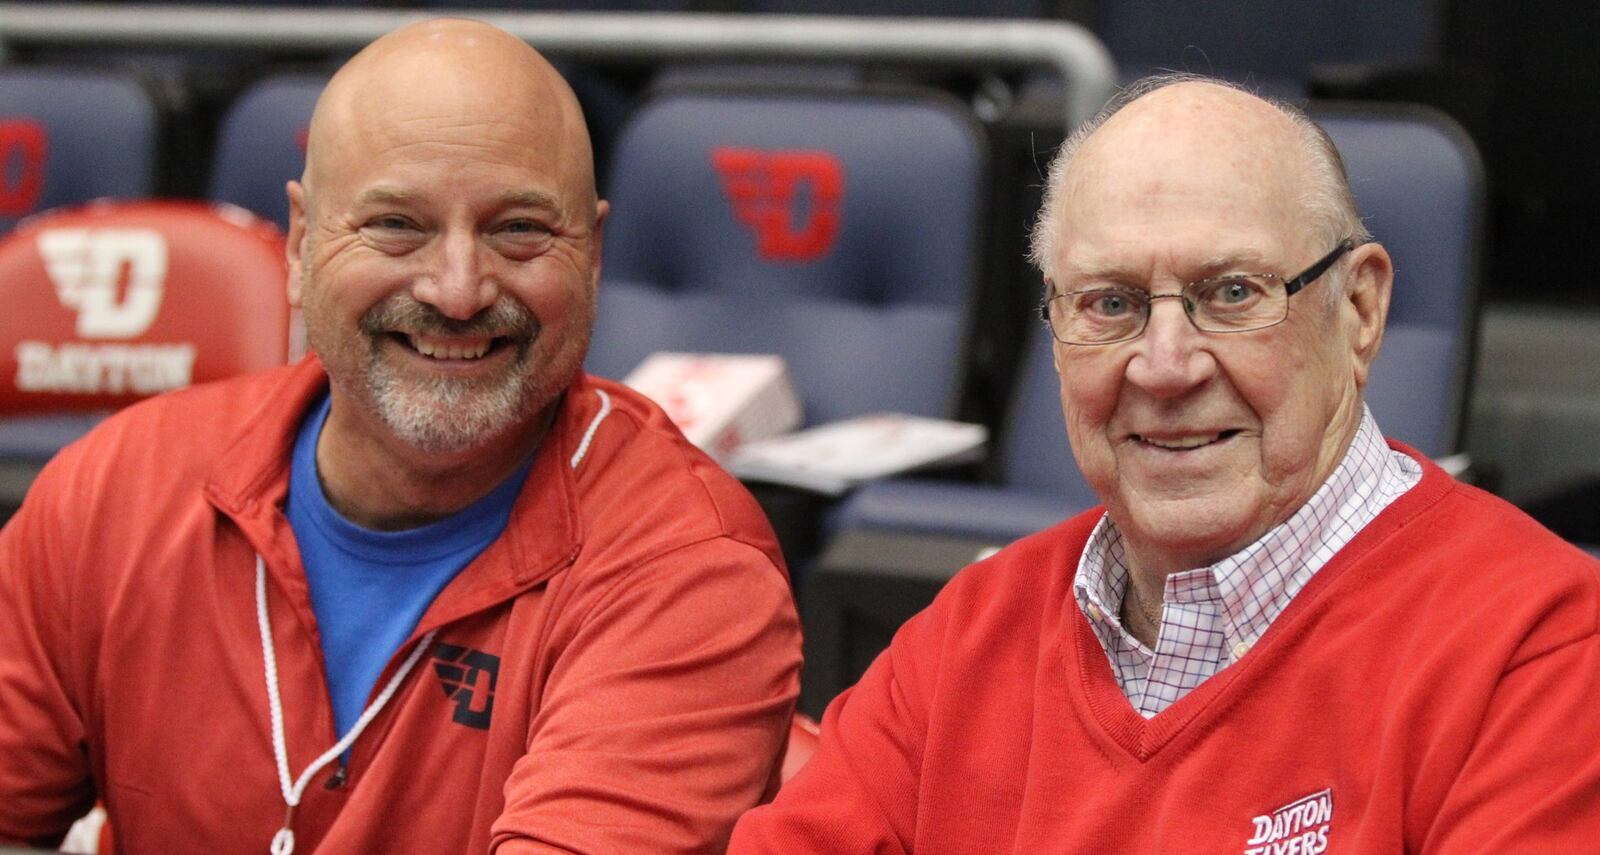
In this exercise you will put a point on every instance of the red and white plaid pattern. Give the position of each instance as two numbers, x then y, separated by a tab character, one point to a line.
1211	616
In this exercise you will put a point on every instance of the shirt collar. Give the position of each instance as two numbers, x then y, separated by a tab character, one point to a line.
1256	583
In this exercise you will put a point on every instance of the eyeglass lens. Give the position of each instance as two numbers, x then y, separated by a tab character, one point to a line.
1226	304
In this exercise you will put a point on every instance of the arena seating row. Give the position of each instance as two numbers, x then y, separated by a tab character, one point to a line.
763	263
806	223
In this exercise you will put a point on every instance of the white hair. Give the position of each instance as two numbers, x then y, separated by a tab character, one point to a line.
1330	206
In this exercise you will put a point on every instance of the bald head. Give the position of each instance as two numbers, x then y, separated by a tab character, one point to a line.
447	74
1193	130
445	243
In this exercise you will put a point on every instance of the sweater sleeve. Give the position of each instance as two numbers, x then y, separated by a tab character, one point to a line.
859	791
44	769
1531	781
665	716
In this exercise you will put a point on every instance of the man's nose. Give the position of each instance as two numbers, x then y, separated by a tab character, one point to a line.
458	281
1171	357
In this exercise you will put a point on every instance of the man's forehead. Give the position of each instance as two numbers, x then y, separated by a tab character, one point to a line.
1211	176
448	82
403	195
1241	258
1192	119
454	101
1189	138
1200	103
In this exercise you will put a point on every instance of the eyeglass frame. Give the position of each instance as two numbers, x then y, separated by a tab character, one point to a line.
1291	287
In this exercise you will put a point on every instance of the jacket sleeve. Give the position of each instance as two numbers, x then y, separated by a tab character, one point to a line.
44	769
858	793
1531	782
665	716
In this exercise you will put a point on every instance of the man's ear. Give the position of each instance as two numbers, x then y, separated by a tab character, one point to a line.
597	241
1055	346
1366	302
295	243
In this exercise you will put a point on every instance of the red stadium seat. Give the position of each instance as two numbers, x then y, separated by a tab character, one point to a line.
112	302
804	736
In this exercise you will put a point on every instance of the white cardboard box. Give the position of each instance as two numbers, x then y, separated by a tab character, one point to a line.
720	401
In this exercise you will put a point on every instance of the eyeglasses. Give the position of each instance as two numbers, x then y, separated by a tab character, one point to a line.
1237	302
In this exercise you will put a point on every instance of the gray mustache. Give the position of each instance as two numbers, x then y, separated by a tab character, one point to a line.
505	319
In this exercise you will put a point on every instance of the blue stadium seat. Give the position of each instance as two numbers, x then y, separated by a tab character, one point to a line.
837	230
261	144
68	135
1420	186
1041	484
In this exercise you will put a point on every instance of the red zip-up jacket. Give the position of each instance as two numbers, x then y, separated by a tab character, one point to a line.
614	674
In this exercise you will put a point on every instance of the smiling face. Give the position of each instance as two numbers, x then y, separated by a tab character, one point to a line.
1198	443
445	244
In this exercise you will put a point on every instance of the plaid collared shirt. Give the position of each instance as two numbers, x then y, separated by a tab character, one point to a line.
1211	616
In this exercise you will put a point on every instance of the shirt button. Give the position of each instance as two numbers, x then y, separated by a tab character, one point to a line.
1239	650
1094	613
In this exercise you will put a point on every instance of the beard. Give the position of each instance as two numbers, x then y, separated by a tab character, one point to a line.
444	414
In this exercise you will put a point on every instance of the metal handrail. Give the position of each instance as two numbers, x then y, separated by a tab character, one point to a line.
1082	61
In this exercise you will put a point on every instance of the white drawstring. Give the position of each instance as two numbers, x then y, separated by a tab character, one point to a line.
283	841
594	425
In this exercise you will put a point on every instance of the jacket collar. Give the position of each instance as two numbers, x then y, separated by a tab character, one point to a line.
250	481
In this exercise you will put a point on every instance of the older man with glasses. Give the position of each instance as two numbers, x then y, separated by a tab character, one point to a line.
1282	633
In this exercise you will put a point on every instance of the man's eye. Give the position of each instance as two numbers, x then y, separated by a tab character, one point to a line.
390	223
1231	293
524	227
521	240
1106	304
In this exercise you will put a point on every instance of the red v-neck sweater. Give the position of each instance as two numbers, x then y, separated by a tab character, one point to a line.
1434	689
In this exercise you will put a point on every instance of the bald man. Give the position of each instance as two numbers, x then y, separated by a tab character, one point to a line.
430	590
1281	635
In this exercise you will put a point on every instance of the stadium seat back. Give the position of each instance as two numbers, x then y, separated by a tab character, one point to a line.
805	736
261	144
837	230
113	302
68	135
1036	454
1419	183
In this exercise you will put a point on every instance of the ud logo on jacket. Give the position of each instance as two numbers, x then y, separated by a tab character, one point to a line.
468	677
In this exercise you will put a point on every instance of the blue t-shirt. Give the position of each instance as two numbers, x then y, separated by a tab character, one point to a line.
369	588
